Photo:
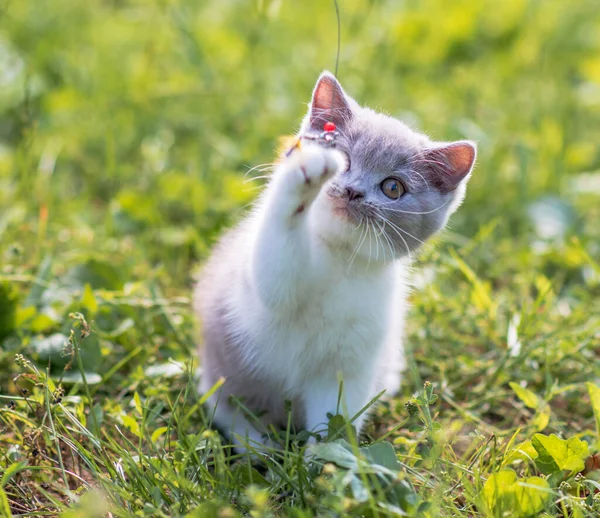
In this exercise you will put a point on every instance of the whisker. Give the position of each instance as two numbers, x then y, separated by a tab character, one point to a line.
398	211
387	239
247	180
405	243
429	161
391	245
376	239
260	167
422	177
369	227
401	237
358	245
379	239
393	225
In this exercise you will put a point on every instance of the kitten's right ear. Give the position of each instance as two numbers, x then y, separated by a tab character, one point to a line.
329	103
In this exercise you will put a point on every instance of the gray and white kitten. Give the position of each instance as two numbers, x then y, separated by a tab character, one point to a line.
311	286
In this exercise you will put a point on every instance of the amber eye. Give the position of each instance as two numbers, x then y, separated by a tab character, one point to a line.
392	188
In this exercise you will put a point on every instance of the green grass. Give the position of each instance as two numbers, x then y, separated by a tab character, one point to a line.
126	128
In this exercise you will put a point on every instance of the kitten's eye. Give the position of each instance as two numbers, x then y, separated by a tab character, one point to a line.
392	188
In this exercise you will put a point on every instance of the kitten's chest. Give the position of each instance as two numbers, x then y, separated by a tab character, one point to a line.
339	327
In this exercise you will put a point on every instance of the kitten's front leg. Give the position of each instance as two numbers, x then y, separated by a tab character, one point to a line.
322	396
281	257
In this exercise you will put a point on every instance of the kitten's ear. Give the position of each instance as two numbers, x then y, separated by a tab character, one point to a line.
329	103
447	165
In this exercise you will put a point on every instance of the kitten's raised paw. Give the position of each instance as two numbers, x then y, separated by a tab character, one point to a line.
313	165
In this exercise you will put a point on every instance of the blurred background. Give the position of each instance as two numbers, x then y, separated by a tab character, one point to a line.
127	126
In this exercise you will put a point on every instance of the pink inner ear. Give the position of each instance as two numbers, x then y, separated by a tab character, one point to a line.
460	156
327	94
328	103
446	166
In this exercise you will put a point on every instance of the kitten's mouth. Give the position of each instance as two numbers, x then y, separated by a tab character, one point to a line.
344	208
341	208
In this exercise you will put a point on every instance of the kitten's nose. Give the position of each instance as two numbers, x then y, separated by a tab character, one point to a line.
353	194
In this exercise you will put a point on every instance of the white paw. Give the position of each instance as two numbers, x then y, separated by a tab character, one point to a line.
314	165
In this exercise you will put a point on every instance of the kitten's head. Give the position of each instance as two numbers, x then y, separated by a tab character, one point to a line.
399	188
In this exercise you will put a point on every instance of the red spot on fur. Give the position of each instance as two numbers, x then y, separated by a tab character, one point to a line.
329	126
300	209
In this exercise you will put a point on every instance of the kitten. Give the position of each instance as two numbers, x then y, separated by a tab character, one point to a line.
311	286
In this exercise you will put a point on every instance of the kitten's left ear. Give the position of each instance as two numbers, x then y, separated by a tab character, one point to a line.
329	103
449	164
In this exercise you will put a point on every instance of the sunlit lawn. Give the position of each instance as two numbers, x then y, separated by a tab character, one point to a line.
126	129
